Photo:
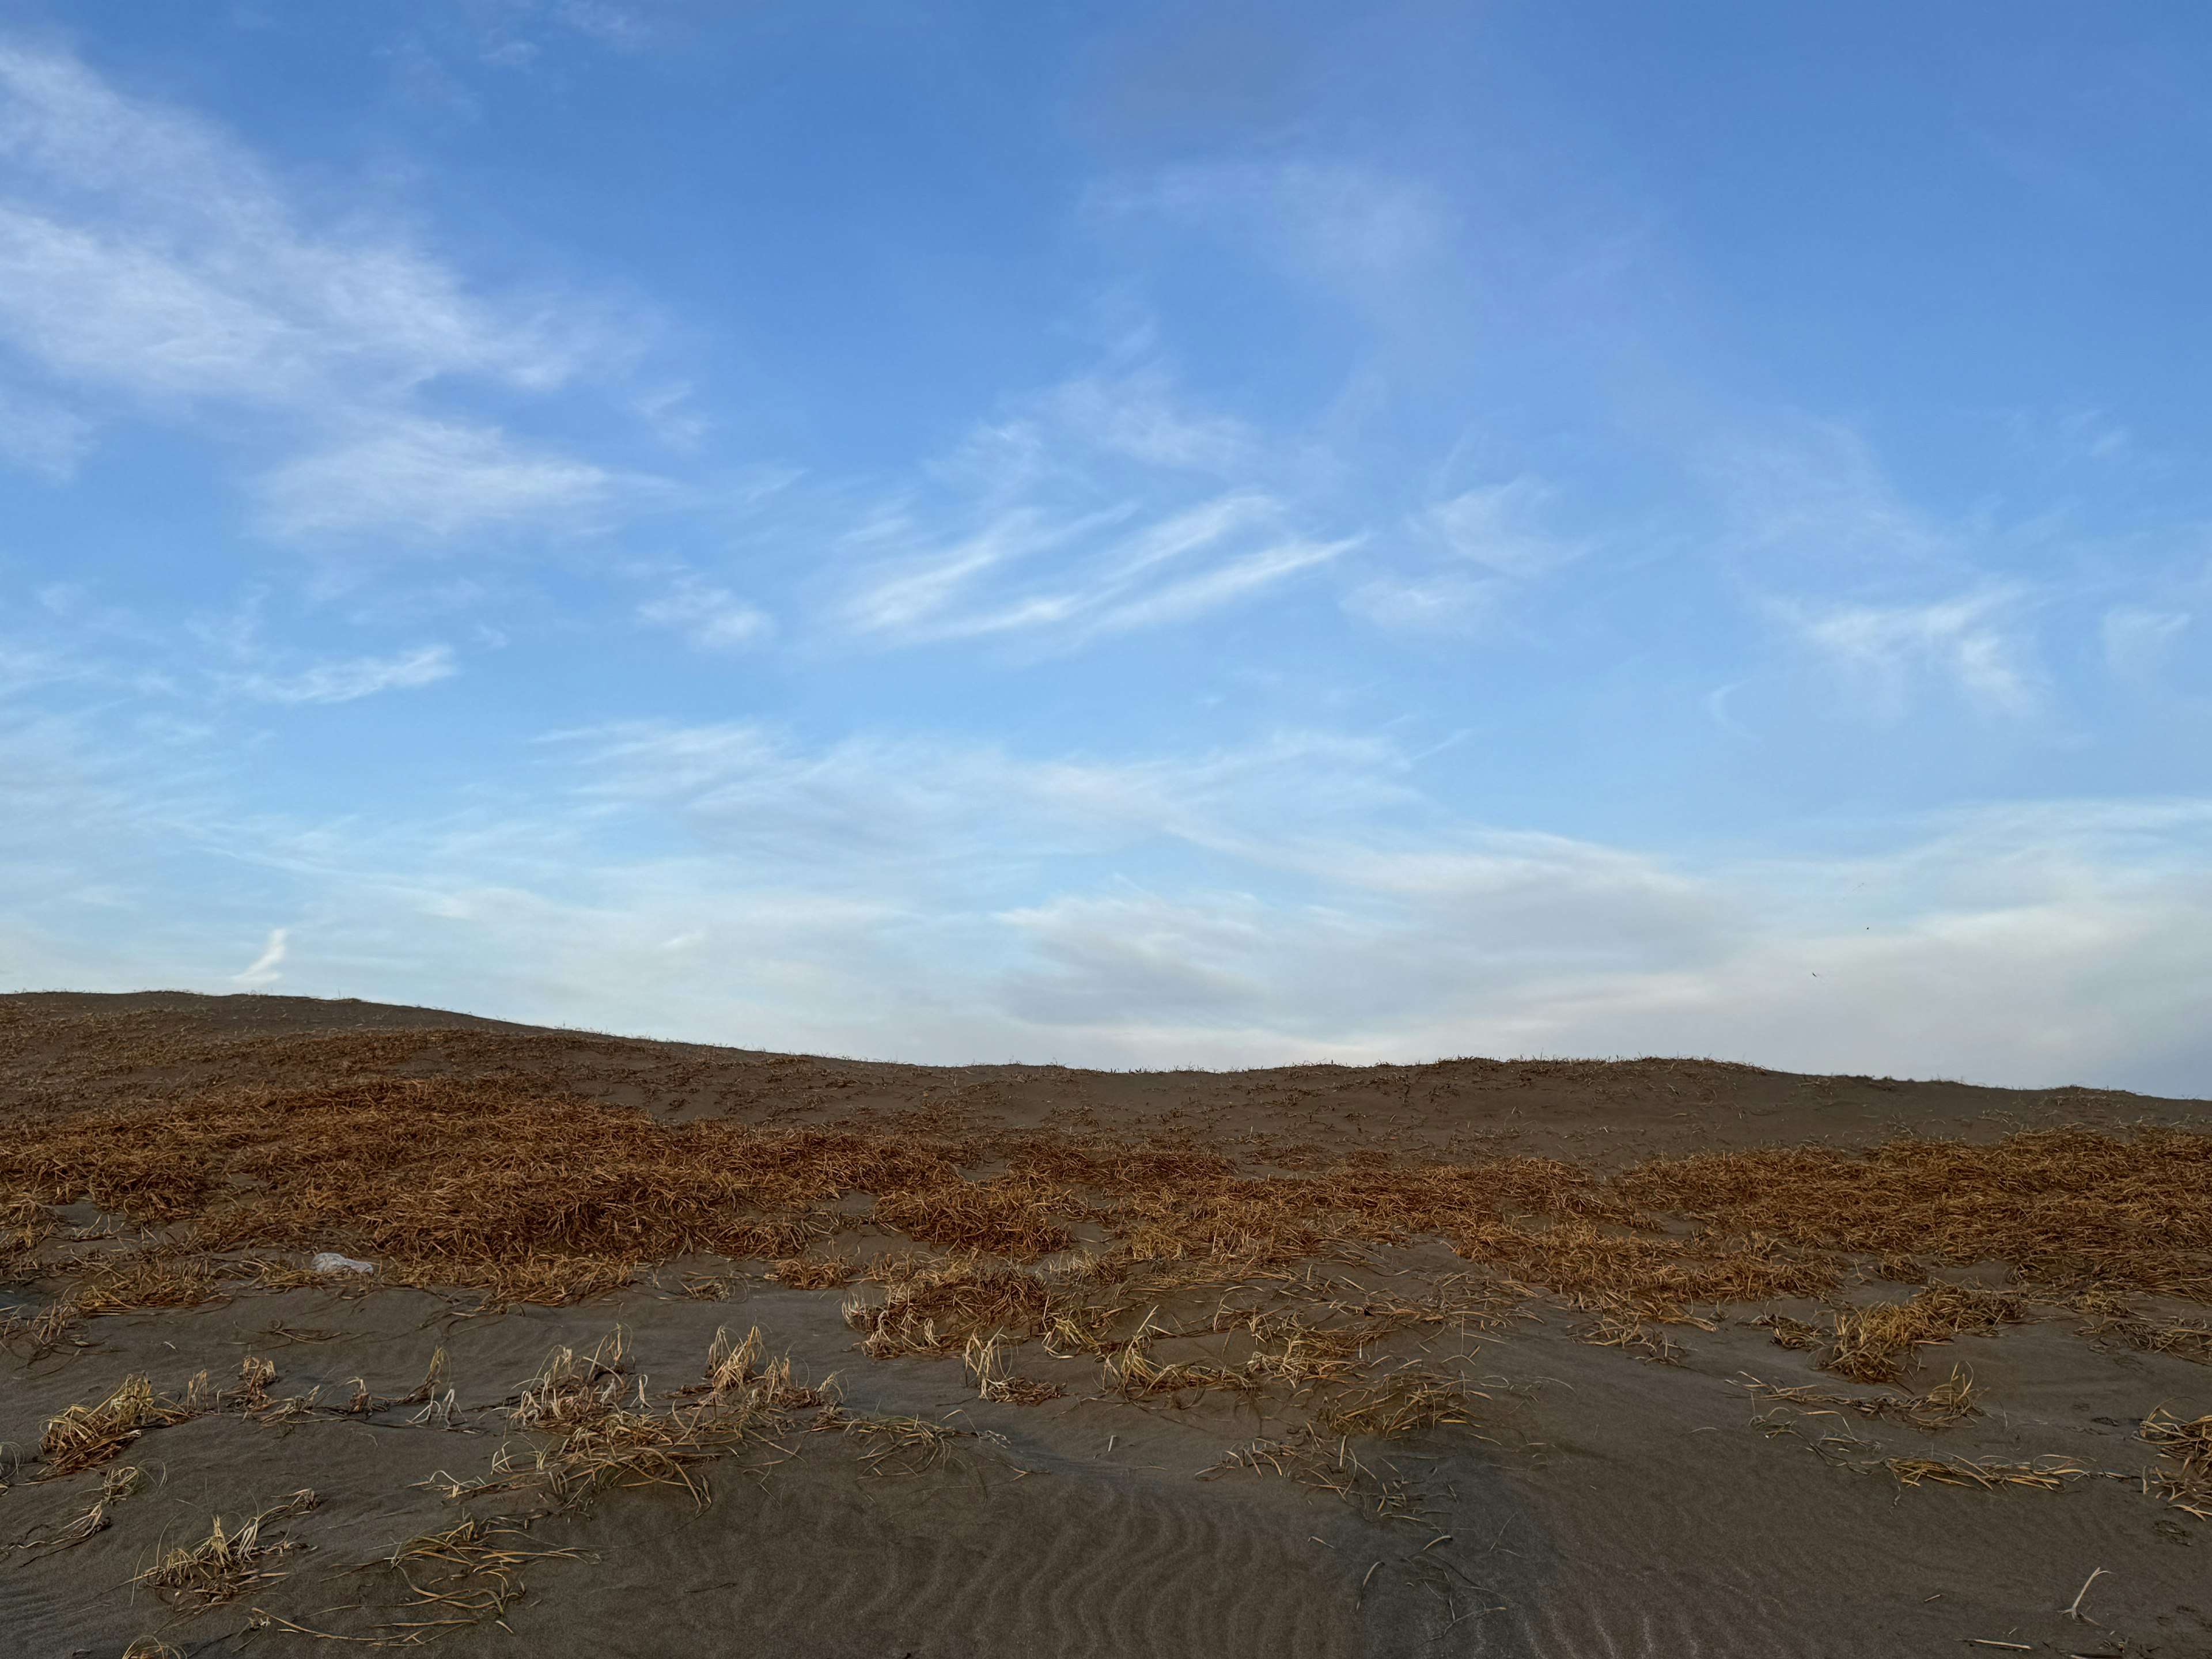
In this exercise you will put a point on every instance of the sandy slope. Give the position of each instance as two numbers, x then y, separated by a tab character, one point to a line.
1596	1502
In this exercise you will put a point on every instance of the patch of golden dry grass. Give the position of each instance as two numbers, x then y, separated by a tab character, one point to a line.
985	1363
1875	1343
2187	1444
507	1185
226	1564
813	1273
85	1437
2045	1474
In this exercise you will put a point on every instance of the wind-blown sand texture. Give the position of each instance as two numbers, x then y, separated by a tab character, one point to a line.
674	1350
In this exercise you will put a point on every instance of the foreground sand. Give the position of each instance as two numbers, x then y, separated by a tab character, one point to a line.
1452	1359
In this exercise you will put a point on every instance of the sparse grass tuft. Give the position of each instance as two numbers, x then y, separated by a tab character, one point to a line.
985	1362
225	1564
2187	1444
469	1573
85	1437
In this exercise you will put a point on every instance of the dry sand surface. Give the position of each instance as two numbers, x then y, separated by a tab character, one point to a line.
675	1350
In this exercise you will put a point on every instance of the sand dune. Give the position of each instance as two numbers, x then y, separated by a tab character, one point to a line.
1560	1359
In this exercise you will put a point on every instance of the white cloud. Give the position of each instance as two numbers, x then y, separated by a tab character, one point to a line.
1137	415
1473	552
1816	501
41	437
1973	640
2137	639
1498	528
429	480
1338	222
351	679
264	971
712	618
1101	583
149	260
1077	517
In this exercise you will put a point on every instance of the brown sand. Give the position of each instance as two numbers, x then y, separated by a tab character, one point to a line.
1563	1358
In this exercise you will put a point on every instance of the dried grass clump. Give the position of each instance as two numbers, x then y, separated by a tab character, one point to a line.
1009	1217
125	1281
816	1273
1949	1402
985	1363
894	1445
1413	1399
932	1307
572	1388
1134	1371
741	1377
225	1564
25	1223
469	1573
2111	1315
2045	1474
85	1437
603	1434
2188	1445
1875	1344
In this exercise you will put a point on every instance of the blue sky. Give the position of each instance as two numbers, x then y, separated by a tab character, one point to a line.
1129	534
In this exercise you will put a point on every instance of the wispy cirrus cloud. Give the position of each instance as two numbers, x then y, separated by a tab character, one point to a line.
1465	557
433	479
713	618
1340	222
1972	641
1099	508
349	679
151	266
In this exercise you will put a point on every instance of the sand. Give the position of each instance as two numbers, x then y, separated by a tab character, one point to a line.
1664	1495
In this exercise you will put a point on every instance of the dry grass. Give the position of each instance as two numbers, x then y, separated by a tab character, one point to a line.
985	1363
1133	1370
85	1437
1332	1467
1875	1344
466	1574
1950	1402
816	1274
1413	1399
509	1185
2187	1444
225	1564
119	1483
532	1194
599	1429
2046	1474
894	1446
